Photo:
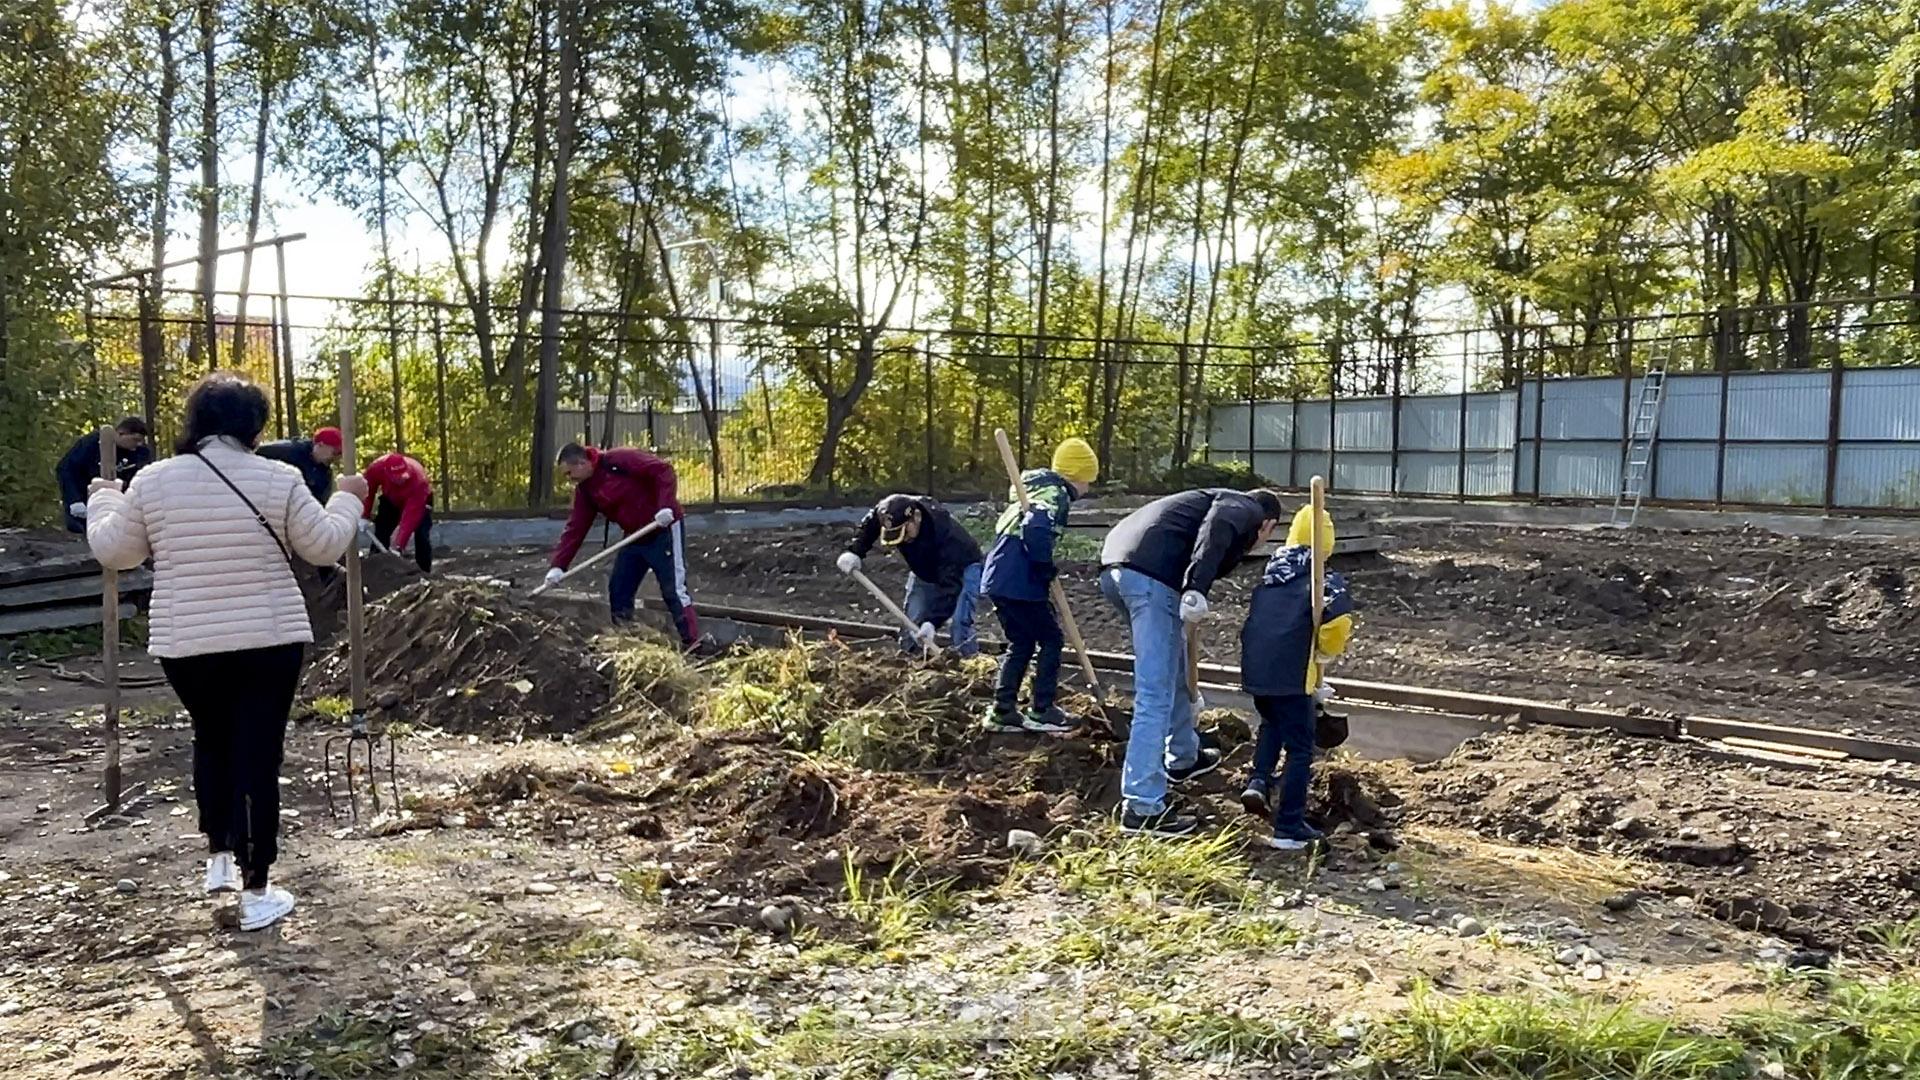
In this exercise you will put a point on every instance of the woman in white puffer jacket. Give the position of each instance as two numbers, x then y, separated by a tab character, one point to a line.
228	622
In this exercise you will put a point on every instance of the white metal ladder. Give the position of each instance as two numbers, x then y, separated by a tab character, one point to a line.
1637	459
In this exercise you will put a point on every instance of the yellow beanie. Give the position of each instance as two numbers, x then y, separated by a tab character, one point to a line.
1300	534
1076	461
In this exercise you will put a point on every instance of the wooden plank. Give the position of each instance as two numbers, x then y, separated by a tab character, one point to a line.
59	618
41	594
1538	712
1782	748
78	564
1709	727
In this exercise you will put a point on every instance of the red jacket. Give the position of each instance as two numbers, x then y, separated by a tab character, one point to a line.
628	486
404	482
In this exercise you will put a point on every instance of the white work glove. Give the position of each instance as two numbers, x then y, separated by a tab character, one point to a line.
925	635
554	575
1193	606
848	562
366	527
1323	692
663	518
76	509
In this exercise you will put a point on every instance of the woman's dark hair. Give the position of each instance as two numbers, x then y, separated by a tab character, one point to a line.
223	403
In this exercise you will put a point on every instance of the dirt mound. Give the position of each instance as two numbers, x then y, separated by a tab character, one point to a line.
1872	598
1810	856
474	658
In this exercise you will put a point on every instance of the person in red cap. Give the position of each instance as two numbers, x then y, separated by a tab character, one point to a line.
314	458
406	506
633	489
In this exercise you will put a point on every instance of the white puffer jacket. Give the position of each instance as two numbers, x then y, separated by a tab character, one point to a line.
219	582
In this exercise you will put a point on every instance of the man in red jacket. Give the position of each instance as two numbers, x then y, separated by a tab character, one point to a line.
633	489
406	506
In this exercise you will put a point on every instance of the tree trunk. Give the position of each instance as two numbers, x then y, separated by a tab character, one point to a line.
263	26
709	409
1052	212
546	409
152	344
1183	431
206	342
840	407
1100	348
383	170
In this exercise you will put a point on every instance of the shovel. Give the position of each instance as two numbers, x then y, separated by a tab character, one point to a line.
640	533
922	633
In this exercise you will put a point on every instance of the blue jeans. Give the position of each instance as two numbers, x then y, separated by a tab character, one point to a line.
930	603
1286	723
1033	637
1163	734
664	553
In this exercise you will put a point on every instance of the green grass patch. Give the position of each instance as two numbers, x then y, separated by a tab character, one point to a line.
821	1042
656	689
1232	1037
897	910
1106	862
1901	939
1511	1038
344	1046
1858	1030
1148	937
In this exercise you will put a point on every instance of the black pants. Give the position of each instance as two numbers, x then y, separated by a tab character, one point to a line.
1033	636
239	702
386	518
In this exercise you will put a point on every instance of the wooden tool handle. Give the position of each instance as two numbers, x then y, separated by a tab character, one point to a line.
1059	594
110	637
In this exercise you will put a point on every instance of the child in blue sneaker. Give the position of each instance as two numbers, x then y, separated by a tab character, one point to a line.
1280	666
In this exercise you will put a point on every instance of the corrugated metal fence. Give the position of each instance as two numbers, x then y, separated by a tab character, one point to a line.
1841	439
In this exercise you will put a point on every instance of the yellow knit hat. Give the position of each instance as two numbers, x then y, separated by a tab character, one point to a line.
1076	461
1300	534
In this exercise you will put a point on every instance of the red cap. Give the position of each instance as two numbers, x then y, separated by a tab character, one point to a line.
329	436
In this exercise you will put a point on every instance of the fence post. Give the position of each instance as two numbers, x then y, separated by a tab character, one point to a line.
1835	387
1460	478
286	333
653	441
273	361
1539	403
1020	395
1293	426
440	403
1252	360
1393	452
1725	364
1333	413
1626	413
713	385
927	349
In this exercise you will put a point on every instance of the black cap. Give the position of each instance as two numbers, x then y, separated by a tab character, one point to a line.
894	510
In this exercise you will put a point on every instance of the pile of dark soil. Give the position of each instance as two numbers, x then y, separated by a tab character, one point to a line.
474	658
1809	856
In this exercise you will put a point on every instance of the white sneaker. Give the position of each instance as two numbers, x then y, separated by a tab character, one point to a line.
261	908
223	874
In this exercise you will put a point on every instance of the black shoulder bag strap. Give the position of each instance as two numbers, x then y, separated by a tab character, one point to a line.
257	515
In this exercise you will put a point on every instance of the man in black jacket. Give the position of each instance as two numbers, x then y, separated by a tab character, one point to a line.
1156	568
81	467
942	558
313	457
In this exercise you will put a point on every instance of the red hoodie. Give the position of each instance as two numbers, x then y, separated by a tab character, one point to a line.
628	486
404	482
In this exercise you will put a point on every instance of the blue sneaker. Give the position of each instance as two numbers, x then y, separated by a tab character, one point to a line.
1296	837
1255	800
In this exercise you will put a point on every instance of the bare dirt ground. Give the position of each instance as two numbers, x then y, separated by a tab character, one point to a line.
1730	622
806	862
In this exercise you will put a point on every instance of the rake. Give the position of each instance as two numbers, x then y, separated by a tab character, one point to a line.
360	745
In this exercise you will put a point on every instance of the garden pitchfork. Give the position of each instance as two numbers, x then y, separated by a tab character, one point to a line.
359	743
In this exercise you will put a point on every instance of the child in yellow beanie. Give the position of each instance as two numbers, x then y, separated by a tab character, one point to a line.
1019	573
